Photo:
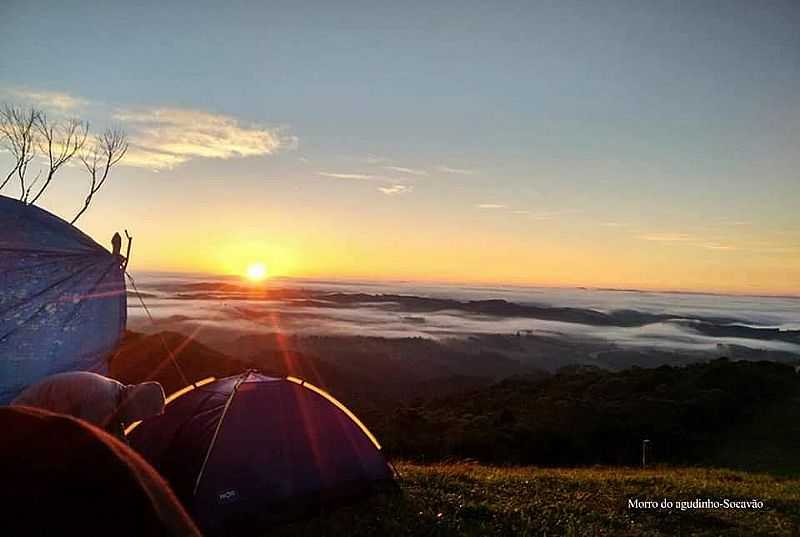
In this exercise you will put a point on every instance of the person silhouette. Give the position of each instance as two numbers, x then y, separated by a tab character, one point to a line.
116	249
116	244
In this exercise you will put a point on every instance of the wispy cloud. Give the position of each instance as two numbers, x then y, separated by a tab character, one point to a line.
549	215
731	222
354	176
667	237
456	171
166	137
407	171
396	189
374	159
152	159
48	100
683	238
533	214
369	158
717	246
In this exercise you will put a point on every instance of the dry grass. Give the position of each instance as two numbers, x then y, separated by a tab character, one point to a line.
471	499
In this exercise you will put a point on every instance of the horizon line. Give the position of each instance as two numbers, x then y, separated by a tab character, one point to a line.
455	283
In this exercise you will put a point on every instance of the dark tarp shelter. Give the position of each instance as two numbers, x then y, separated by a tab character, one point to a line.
62	298
250	448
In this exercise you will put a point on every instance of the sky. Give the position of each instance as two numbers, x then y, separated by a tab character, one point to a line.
630	144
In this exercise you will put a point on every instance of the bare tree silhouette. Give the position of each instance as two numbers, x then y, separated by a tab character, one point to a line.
28	133
58	141
18	137
98	160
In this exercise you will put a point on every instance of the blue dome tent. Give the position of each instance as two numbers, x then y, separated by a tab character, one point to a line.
62	298
252	448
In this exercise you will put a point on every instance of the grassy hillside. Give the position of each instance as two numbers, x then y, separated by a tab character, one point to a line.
471	499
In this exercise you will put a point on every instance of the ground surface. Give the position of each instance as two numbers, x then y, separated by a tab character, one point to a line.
471	499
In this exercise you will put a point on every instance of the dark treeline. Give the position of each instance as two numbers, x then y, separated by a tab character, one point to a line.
591	416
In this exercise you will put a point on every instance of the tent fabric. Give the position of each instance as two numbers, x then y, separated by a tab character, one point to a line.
253	447
62	298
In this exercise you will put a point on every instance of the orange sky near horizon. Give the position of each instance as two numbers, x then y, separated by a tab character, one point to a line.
452	248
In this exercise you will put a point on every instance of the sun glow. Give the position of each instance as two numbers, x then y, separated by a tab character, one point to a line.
256	272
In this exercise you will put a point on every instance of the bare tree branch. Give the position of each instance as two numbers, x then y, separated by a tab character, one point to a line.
9	176
31	185
18	137
98	160
59	142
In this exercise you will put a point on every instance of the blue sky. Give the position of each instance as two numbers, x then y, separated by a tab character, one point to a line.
577	130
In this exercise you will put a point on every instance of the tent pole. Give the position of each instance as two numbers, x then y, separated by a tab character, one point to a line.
216	433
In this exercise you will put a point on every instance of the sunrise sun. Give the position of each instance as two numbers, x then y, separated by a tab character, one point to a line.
256	272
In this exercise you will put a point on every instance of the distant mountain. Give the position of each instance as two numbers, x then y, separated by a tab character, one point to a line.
148	357
421	304
745	332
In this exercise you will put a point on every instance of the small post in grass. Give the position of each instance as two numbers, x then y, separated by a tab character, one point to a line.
645	445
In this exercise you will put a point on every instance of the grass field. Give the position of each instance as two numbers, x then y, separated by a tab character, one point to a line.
471	499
